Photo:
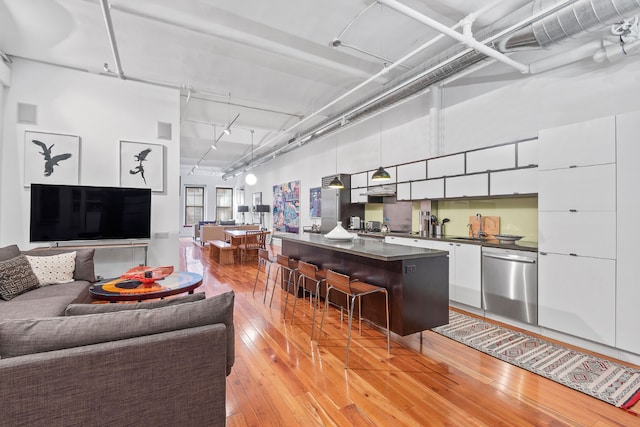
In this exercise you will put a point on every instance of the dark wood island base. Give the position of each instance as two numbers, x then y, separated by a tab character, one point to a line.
417	279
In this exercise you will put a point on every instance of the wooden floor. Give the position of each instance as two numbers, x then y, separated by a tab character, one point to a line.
281	378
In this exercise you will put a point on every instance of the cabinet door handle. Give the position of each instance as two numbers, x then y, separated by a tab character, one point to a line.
573	210
542	253
573	254
573	166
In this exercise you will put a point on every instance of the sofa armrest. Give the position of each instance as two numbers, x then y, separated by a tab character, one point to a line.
170	378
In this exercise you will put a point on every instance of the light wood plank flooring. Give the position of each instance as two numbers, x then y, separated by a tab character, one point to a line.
281	378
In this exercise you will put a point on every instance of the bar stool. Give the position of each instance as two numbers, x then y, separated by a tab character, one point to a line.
290	265
353	289
311	272
267	260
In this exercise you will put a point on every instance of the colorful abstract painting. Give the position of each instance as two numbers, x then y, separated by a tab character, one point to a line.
286	207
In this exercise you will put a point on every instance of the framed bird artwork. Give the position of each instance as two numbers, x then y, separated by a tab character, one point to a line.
142	165
51	158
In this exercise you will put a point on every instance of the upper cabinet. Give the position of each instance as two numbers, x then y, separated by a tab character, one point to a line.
527	154
494	158
412	171
359	180
580	144
445	166
467	185
514	182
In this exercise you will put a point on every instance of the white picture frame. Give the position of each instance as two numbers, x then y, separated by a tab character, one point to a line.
51	158
142	165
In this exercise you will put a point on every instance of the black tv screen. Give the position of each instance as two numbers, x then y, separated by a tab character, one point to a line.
74	212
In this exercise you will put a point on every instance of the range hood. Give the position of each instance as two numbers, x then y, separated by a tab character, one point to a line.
380	191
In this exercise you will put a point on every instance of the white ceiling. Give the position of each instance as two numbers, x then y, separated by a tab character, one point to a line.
272	62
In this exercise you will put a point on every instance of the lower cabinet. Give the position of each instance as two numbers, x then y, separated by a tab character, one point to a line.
465	267
576	295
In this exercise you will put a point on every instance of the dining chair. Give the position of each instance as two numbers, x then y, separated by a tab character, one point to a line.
353	289
250	243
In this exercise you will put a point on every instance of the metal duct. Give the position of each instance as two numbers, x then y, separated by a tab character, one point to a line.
576	17
584	15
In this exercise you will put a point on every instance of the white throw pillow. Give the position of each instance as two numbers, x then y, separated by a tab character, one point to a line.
53	269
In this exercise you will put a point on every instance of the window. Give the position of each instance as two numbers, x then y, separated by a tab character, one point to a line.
193	205
224	204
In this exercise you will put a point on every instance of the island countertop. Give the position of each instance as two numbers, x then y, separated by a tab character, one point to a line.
368	248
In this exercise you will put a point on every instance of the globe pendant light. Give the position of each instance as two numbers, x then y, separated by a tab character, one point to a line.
251	179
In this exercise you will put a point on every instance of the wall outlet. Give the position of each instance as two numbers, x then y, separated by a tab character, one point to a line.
162	235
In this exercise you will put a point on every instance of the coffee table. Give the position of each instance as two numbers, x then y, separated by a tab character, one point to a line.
115	290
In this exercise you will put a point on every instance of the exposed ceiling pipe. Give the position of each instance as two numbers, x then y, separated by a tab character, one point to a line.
465	38
112	37
324	127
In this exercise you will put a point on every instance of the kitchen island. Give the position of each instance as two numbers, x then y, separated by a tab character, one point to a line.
417	279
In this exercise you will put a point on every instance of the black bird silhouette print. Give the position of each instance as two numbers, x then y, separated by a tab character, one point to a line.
140	157
49	160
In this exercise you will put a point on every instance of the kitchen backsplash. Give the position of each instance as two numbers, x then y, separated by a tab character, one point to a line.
518	215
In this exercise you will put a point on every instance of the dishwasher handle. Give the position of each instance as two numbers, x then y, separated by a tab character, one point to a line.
505	258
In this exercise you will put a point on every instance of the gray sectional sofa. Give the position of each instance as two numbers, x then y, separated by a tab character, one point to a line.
65	363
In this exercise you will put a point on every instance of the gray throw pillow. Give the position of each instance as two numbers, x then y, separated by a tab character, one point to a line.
84	261
9	252
80	309
16	277
27	336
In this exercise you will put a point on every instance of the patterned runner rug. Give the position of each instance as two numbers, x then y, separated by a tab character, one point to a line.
605	380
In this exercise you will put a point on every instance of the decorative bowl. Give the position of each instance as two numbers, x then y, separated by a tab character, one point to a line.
146	274
507	238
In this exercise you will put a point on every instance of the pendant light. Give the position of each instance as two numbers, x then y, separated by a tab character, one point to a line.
381	174
336	182
251	179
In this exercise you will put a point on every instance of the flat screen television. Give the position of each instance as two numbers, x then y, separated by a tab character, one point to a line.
74	212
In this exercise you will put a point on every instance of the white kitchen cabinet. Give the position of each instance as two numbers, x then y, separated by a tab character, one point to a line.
412	171
517	181
403	191
582	233
429	189
580	144
628	206
576	295
589	188
467	280
445	166
359	180
467	185
358	195
527	153
465	271
494	158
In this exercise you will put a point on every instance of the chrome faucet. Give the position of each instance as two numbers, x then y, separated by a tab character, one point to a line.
481	233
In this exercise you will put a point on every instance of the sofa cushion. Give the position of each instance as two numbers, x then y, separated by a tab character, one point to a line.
84	269
9	252
81	309
70	290
20	337
29	309
16	277
53	269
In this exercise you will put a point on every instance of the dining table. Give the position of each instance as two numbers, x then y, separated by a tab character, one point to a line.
238	237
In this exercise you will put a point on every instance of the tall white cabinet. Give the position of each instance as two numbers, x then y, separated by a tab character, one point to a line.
577	229
628	236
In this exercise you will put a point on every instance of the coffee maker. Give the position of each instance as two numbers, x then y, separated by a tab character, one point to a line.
355	223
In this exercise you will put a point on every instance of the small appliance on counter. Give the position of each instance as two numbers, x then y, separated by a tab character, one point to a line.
355	223
373	226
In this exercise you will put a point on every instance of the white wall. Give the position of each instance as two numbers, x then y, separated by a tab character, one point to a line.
102	111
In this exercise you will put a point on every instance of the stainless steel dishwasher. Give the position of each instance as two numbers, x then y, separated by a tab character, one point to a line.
510	283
